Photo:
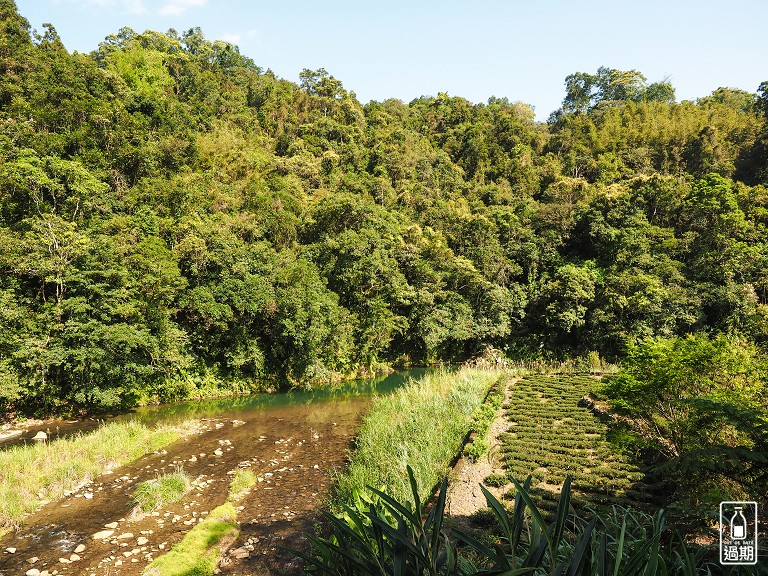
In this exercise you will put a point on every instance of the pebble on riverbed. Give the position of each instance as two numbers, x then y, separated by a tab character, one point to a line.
240	553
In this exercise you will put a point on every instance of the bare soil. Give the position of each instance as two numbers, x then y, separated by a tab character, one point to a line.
464	495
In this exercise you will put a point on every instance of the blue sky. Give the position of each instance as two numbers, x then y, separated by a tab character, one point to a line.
401	49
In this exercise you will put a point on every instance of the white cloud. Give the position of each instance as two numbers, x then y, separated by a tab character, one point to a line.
177	7
128	6
134	6
231	38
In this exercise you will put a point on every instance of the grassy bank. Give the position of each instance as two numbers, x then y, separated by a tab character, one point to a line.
421	424
66	463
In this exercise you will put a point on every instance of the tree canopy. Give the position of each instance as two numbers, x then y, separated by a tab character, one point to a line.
174	217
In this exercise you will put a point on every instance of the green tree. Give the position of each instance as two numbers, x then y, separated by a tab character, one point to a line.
699	403
662	376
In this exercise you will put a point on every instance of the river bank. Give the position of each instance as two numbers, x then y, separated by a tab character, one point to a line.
295	444
19	431
36	474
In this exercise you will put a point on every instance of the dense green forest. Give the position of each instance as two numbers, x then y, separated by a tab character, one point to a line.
174	218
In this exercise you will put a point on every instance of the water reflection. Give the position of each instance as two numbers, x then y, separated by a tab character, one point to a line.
238	407
242	405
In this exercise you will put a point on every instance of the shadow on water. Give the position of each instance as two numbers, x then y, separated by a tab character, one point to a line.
236	406
232	407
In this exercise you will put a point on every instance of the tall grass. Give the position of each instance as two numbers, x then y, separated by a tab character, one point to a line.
42	471
589	364
421	424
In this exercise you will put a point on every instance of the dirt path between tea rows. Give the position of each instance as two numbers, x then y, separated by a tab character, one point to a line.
464	496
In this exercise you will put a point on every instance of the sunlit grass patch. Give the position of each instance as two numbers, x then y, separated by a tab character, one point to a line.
165	489
242	480
198	553
496	480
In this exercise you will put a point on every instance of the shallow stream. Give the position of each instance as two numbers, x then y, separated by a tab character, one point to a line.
294	442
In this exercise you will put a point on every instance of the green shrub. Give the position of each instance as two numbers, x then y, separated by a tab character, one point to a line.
476	449
699	403
496	480
482	419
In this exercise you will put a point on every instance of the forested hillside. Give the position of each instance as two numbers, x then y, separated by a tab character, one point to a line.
175	218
